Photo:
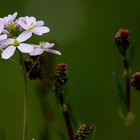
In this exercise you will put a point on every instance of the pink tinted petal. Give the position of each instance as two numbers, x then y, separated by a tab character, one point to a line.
30	20
25	48
22	24
13	17
53	51
5	31
40	23
49	45
3	37
24	36
40	30
1	26
8	52
36	51
7	41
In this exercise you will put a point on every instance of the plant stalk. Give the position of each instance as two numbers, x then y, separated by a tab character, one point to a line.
24	133
127	79
66	116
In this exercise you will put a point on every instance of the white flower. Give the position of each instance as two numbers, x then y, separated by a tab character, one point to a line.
30	24
9	19
44	46
2	36
11	44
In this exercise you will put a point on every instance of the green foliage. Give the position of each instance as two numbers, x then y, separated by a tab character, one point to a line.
120	95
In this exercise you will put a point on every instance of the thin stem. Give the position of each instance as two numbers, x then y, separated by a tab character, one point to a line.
128	95
33	66
24	133
66	117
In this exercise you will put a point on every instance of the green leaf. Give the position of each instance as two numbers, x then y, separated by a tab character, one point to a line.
120	95
131	56
91	136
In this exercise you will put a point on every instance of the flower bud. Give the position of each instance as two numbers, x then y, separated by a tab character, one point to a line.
61	76
135	81
83	131
122	39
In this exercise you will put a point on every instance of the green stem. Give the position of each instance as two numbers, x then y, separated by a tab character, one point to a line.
24	133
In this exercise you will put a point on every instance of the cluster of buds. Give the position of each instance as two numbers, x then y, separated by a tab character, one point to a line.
61	76
83	131
122	39
14	32
135	81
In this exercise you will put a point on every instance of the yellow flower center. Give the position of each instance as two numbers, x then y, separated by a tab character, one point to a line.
16	43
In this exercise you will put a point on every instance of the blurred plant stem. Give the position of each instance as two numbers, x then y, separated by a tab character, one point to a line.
24	133
66	116
61	78
127	80
43	93
128	132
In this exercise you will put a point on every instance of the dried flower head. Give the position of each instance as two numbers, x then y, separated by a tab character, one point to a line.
83	131
122	39
135	81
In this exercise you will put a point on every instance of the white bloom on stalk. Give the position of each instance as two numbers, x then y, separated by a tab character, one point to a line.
9	19
2	36
30	24
44	46
11	44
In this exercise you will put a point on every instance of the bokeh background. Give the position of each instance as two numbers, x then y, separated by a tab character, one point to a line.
83	31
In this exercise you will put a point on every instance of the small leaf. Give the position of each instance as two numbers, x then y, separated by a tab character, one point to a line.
131	56
120	95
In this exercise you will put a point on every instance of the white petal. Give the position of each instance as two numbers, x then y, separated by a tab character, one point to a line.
25	48
40	23
7	42
2	37
36	51
53	51
22	24
40	30
30	20
8	52
49	45
12	18
24	36
5	32
1	26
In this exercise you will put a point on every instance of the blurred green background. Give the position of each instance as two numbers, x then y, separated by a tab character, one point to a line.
83	31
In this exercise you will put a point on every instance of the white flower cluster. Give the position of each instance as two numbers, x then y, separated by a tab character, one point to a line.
14	32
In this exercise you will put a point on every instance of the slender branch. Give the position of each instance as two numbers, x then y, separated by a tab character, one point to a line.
24	133
33	66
